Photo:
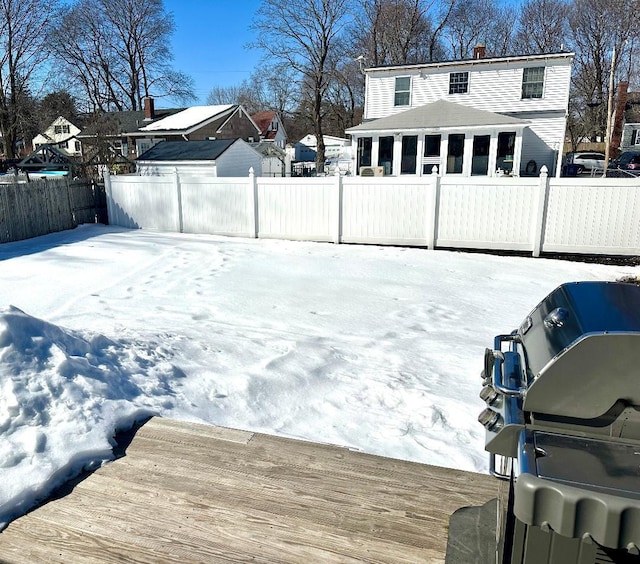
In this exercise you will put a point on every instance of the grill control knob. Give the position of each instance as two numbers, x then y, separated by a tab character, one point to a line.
489	419
489	395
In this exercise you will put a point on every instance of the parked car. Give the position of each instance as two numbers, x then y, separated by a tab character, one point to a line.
585	160
629	160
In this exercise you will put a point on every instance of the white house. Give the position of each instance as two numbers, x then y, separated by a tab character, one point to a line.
484	116
630	137
61	134
217	158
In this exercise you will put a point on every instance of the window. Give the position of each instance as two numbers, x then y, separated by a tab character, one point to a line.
385	154
431	153
458	82
59	129
455	153
635	137
532	82
63	145
403	91
409	154
77	146
480	157
364	151
506	145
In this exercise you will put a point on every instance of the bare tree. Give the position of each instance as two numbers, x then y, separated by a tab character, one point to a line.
543	26
117	51
23	27
485	22
305	35
600	28
398	31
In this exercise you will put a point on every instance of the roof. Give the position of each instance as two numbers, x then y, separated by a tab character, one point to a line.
189	118
439	114
481	61
187	150
263	120
125	121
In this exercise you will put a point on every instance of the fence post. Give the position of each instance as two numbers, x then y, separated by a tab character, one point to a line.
336	228
540	215
253	202
176	178
431	223
112	218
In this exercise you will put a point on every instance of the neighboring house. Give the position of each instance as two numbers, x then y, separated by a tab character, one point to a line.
484	116
630	137
306	148
199	123
61	134
271	128
116	132
221	157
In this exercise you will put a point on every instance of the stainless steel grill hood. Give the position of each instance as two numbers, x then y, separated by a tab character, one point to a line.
563	427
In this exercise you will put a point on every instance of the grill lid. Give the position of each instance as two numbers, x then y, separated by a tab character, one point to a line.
582	349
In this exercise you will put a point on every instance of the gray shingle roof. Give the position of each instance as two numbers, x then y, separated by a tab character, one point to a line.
187	150
439	114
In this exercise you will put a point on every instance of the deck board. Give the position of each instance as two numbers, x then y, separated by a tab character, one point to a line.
194	493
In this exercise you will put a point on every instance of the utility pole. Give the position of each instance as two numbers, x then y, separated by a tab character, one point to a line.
607	142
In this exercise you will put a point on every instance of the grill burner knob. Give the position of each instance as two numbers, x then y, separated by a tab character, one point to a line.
489	419
489	395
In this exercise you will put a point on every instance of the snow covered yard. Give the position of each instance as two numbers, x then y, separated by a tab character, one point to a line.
374	348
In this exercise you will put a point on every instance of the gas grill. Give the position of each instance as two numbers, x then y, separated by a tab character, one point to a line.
563	428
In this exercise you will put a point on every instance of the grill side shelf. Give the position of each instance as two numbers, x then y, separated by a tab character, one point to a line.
580	488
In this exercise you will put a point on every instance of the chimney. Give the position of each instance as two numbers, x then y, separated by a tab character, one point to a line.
149	110
479	51
618	122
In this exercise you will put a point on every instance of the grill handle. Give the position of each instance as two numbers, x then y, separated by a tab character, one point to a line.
498	361
501	475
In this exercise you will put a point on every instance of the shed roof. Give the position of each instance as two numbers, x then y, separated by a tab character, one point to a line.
208	150
439	114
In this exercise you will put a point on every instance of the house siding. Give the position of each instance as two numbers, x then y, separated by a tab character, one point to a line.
238	159
496	89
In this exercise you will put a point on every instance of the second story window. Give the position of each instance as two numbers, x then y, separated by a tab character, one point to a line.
58	129
532	82
458	82
403	91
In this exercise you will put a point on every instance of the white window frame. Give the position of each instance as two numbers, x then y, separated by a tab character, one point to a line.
527	82
402	92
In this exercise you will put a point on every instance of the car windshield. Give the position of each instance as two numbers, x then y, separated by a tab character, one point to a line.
627	158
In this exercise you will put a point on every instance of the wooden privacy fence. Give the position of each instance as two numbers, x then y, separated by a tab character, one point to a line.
557	215
30	209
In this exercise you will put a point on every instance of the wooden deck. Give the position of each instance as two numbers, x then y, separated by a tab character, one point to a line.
192	493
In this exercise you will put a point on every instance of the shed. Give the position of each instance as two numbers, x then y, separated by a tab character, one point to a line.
218	157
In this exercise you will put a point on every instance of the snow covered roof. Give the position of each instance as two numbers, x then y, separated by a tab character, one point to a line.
439	114
186	119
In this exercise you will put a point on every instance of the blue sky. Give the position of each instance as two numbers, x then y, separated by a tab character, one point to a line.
209	42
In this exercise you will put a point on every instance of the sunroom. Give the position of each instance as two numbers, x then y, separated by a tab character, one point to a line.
456	139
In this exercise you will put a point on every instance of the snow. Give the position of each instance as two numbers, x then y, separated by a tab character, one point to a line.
374	348
186	118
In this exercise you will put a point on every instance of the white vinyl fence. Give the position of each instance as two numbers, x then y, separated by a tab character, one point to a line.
558	215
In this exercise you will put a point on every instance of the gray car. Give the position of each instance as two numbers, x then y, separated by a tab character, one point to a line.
585	160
